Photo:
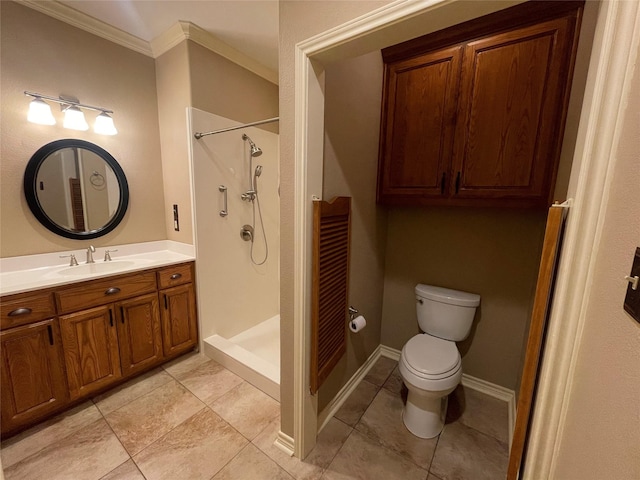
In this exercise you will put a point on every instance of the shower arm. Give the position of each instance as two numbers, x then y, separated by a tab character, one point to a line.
199	135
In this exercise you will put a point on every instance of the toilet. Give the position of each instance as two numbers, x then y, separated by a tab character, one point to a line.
430	364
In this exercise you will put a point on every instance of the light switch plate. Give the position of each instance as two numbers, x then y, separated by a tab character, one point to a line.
632	299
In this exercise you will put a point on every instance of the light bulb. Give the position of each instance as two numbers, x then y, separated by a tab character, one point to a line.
104	125
40	112
74	119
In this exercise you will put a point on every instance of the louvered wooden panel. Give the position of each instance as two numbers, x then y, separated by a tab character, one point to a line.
331	221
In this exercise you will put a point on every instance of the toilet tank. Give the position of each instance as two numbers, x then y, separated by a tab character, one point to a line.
445	313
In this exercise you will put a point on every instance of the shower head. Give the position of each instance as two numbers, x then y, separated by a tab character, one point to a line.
255	150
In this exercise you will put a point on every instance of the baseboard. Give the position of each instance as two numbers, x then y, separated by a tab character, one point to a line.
285	443
389	352
495	391
335	404
477	384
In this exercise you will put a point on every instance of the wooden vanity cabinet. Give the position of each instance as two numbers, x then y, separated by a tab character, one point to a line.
474	114
94	335
139	335
178	309
91	351
32	373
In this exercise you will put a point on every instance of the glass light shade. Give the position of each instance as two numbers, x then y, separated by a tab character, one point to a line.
104	125
40	112
74	119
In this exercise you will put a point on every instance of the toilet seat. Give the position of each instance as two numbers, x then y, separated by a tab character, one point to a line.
431	358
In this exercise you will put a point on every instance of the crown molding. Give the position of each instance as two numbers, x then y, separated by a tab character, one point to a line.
179	32
182	30
89	24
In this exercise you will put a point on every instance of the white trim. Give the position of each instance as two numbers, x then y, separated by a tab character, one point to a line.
285	443
391	353
85	22
495	391
177	33
615	46
330	410
182	30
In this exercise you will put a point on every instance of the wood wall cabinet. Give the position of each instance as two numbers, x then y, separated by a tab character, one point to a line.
474	115
94	335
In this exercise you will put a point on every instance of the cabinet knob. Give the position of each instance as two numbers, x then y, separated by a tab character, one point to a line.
20	311
112	291
176	276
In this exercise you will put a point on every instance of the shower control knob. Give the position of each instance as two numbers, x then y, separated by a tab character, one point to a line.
246	233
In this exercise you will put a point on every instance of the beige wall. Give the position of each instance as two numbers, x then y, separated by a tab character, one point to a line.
298	20
222	87
352	123
41	54
173	83
602	429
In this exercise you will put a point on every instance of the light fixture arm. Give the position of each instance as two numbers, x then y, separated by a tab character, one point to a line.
66	101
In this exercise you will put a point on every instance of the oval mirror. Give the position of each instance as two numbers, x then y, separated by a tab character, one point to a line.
76	189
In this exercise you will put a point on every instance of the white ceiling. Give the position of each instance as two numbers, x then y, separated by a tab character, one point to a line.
249	26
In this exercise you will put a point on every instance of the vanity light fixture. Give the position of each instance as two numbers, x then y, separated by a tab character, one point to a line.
40	112
74	119
104	124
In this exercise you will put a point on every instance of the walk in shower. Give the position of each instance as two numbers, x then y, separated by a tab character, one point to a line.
236	226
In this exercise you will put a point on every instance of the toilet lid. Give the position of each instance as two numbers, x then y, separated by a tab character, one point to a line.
431	356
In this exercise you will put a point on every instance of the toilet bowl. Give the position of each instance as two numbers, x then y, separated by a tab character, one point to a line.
430	365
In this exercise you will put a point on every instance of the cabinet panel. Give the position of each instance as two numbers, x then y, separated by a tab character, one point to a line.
179	330
139	333
22	309
175	275
101	292
511	92
33	382
91	349
418	124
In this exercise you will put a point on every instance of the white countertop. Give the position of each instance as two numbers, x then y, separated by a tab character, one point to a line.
32	272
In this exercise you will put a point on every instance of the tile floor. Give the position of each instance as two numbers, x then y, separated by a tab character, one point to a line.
193	419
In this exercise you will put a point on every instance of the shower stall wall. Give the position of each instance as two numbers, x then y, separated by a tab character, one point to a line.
238	299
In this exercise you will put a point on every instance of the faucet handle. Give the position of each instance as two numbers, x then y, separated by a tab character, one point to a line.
107	255
72	259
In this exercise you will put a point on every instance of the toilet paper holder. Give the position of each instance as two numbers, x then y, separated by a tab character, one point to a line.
353	312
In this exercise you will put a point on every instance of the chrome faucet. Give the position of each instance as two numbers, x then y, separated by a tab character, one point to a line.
90	250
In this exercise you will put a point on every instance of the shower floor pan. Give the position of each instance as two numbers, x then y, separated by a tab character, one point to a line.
253	355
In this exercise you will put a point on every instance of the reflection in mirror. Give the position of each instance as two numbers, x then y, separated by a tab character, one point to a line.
76	189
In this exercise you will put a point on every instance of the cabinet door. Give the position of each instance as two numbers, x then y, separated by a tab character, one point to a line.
139	333
418	119
512	110
33	382
179	327
91	354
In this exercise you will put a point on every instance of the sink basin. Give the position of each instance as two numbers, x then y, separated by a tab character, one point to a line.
93	268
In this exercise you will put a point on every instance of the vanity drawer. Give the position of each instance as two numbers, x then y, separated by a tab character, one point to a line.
175	275
23	309
100	292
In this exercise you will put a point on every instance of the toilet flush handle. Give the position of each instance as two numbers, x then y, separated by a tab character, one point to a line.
420	301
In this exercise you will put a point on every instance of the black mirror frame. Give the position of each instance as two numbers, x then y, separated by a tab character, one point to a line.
30	188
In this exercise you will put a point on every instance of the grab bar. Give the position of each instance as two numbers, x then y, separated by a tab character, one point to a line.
223	190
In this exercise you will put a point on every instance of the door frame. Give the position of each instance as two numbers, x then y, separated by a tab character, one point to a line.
608	82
